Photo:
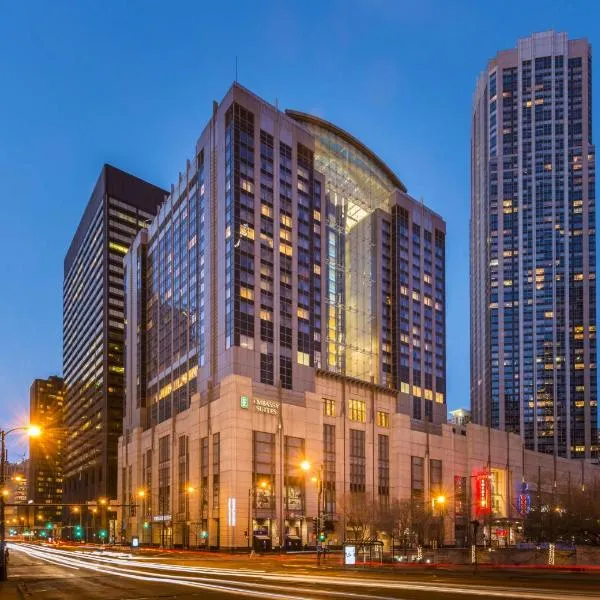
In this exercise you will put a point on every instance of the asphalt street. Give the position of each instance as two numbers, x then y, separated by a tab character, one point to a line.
47	573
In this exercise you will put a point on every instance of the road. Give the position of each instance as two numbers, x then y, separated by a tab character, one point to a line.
87	574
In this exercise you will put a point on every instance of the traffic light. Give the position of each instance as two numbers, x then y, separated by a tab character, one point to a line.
48	525
315	527
78	531
322	536
102	533
146	525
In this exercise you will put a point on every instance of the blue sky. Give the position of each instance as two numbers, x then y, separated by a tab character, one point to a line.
131	83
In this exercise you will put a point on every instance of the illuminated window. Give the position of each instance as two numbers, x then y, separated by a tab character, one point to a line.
246	293
439	397
246	185
404	387
357	411
118	247
383	418
417	391
302	313
285	220
329	407
304	358
285	249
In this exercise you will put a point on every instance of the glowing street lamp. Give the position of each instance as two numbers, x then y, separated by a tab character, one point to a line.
305	465
33	431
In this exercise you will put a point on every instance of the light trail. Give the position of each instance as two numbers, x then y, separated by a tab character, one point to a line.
273	585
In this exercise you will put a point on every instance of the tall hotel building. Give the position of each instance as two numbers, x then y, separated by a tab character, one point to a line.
287	303
93	330
45	479
533	246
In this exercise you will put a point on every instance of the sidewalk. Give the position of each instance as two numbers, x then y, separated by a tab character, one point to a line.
9	591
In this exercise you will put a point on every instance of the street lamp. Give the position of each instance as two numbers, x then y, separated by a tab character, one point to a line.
189	489
263	485
33	431
318	480
440	501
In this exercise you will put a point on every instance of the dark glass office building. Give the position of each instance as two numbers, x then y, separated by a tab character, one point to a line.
93	330
533	246
45	480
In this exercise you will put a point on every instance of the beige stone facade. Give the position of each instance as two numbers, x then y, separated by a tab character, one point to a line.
221	500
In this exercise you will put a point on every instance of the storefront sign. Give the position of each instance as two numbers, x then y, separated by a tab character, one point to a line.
161	518
524	500
483	492
270	407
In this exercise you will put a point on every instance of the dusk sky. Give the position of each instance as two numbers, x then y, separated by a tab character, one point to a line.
131	83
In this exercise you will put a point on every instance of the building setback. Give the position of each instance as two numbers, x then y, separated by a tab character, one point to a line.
45	478
93	330
533	246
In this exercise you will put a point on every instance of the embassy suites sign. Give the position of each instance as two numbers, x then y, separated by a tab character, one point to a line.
269	407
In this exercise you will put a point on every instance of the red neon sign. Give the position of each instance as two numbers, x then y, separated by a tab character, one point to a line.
483	493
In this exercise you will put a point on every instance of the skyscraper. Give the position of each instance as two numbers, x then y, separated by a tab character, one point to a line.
45	478
533	246
93	326
288	257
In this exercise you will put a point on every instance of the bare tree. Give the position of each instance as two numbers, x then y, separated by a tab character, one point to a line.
360	517
394	519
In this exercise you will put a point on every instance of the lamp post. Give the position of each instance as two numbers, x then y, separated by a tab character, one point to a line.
33	431
318	479
440	502
186	531
142	496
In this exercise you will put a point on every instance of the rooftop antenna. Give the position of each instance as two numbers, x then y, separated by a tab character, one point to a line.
236	69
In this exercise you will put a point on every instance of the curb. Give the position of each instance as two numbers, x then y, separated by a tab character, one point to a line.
23	591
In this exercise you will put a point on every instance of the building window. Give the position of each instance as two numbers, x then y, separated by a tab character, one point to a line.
294	476
329	468
383	418
148	482
357	461
417	478
263	467
204	474
216	469
357	411
164	474
183	472
383	460
435	477
329	407
417	408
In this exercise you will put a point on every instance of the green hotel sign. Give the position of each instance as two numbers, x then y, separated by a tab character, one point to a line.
244	403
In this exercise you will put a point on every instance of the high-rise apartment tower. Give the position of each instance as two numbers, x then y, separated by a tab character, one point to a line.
93	330
533	246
